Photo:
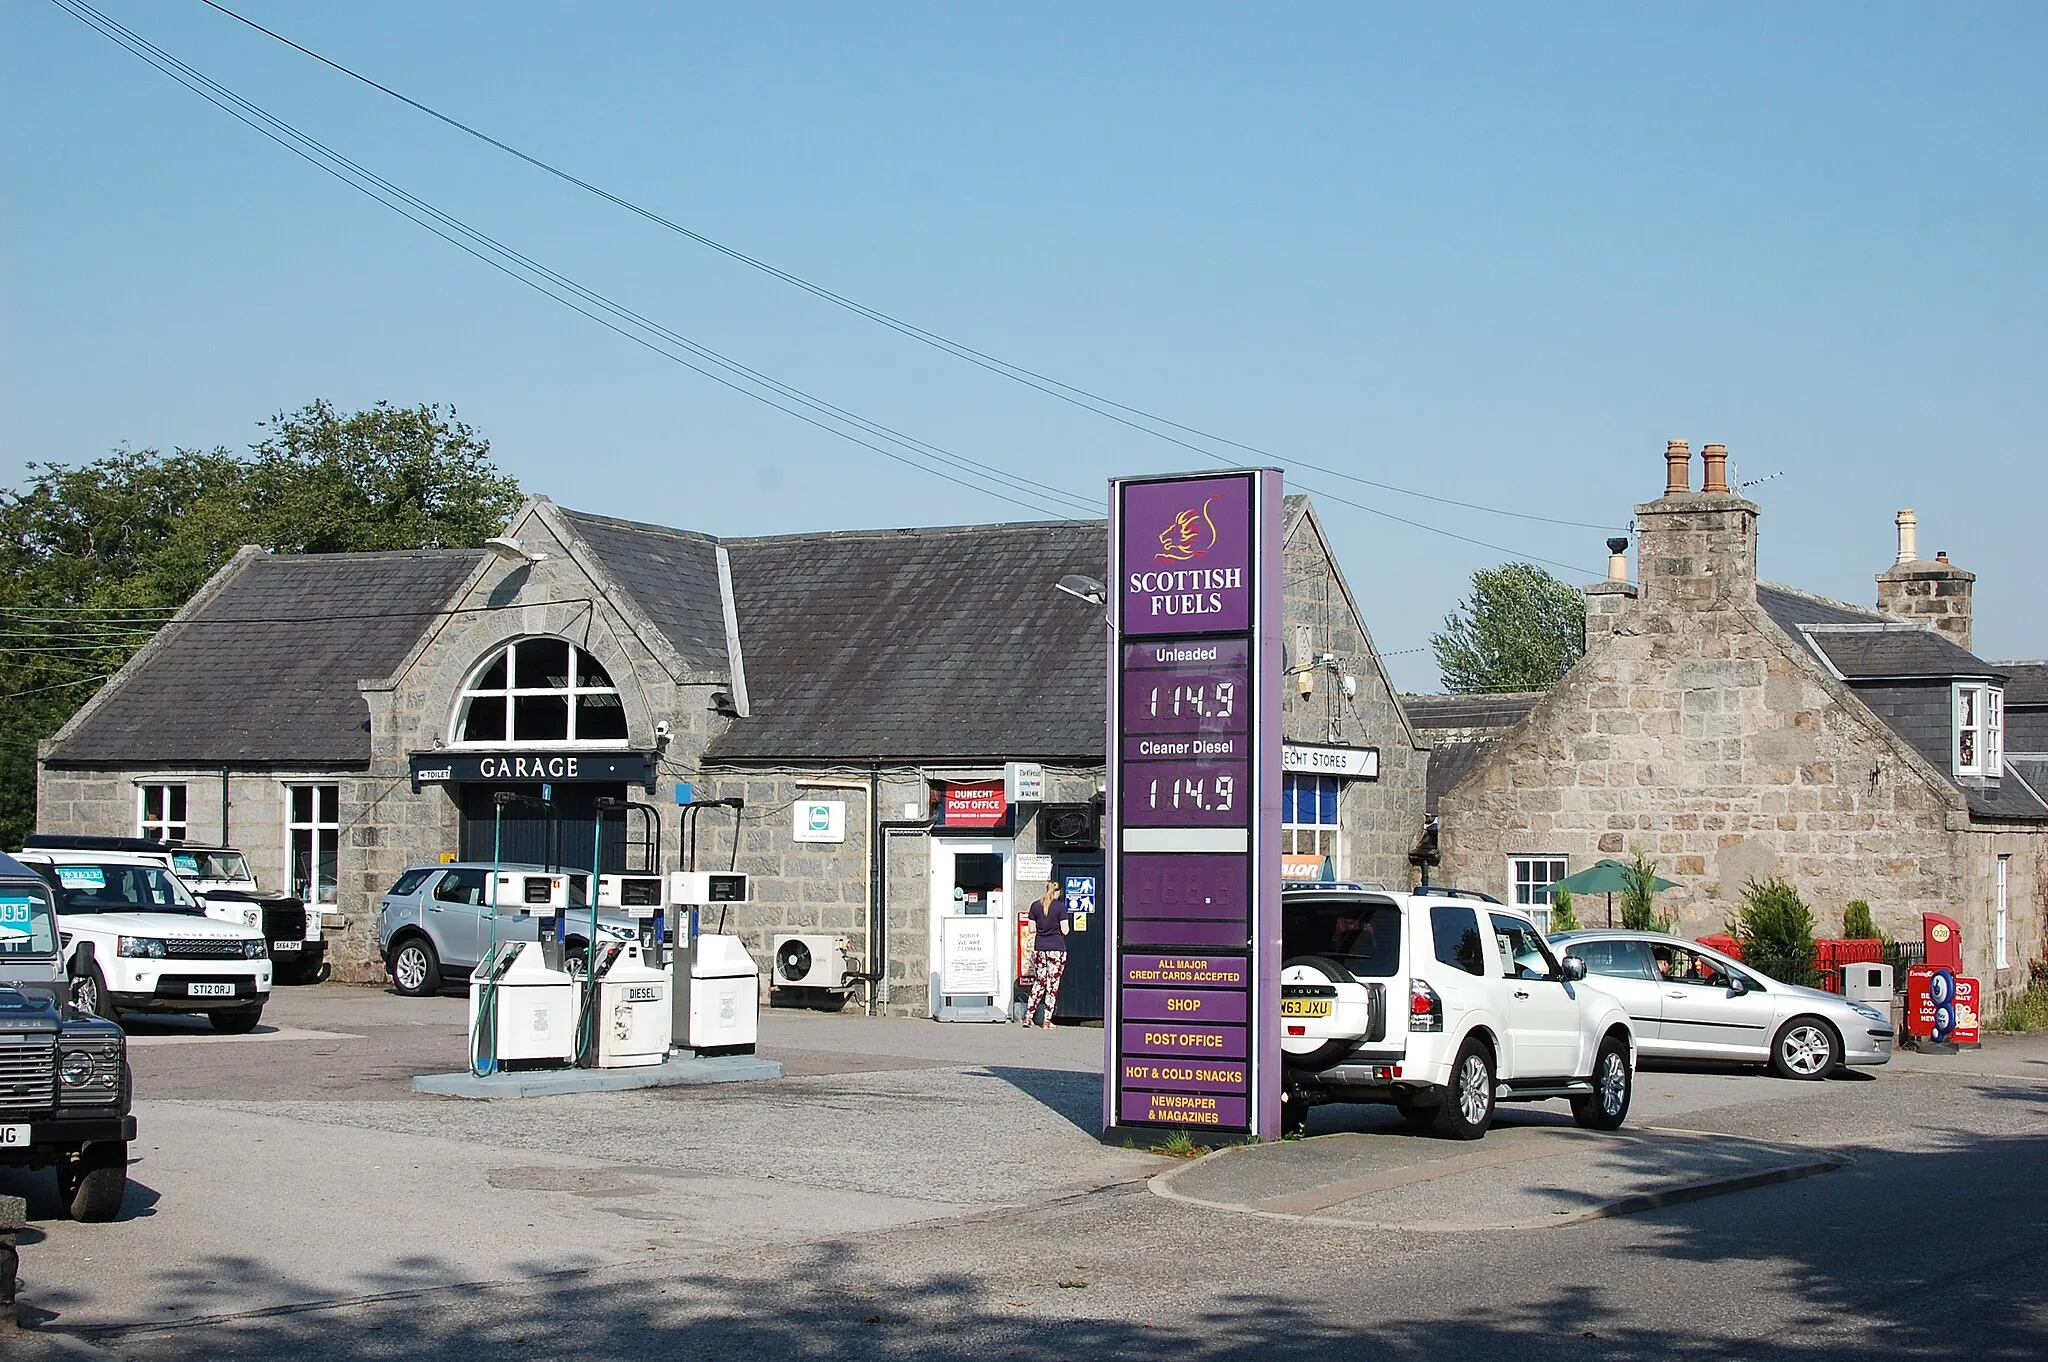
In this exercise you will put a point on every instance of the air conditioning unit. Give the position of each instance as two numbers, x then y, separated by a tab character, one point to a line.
809	962
1070	827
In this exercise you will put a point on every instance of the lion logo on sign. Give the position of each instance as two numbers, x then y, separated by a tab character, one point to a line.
1191	534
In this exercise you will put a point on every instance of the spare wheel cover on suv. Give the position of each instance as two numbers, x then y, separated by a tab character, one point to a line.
1329	1008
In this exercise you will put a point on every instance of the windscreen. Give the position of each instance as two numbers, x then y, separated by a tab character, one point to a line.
231	866
90	888
27	925
1363	937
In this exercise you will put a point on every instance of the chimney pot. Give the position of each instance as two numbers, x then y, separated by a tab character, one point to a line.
1909	530
1941	556
1617	559
1715	457
1677	468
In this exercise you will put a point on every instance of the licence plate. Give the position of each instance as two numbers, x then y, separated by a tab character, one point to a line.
13	1137
209	990
285	945
1305	1007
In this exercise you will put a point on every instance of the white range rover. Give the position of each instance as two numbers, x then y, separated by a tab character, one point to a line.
1441	1003
134	939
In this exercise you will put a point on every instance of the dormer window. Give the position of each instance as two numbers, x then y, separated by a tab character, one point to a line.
1979	729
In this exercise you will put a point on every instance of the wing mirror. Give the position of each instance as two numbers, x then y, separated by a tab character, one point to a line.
1737	985
1574	969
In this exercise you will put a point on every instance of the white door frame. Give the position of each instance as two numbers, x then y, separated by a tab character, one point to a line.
943	851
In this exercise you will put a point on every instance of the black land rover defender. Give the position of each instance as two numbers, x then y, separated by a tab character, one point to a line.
64	1083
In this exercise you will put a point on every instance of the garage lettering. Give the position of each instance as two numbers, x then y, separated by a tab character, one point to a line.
528	768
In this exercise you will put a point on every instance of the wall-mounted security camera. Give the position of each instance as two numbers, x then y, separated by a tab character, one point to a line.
662	730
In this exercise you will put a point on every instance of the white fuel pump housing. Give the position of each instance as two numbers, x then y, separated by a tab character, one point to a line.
536	1007
633	1017
721	986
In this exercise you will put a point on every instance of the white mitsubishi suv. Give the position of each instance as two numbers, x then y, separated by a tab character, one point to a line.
134	939
1442	1003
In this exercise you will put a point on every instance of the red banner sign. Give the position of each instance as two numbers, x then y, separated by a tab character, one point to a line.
976	806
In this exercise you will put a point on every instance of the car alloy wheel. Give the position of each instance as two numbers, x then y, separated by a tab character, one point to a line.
1613	1081
1475	1095
410	968
1805	1049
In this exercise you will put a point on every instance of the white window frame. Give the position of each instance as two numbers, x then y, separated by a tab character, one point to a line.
1291	832
2002	915
509	653
163	828
1535	906
1984	730
323	834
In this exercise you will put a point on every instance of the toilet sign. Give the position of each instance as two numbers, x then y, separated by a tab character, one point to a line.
1192	899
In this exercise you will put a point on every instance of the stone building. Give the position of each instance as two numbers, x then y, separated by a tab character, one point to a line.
1735	730
342	717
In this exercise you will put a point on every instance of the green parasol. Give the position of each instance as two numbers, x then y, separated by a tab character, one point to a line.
1609	878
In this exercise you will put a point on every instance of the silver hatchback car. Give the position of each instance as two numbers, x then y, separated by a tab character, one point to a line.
434	923
1689	1001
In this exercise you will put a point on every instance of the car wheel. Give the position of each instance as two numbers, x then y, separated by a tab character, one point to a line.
1806	1048
1467	1108
92	1188
237	1023
415	969
1614	1086
89	993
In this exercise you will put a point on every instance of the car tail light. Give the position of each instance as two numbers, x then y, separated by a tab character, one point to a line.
1425	1009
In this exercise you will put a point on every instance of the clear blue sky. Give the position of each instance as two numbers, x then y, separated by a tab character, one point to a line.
1499	254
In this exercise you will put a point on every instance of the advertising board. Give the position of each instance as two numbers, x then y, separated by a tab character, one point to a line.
1192	896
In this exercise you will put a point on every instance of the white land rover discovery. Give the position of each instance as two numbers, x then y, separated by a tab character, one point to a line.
1441	1003
134	939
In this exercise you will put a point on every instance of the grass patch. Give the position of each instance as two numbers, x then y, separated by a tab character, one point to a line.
1181	1145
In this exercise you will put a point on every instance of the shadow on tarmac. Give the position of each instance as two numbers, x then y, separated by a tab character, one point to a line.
1899	1256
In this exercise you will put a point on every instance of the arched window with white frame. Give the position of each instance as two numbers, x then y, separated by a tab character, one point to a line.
538	692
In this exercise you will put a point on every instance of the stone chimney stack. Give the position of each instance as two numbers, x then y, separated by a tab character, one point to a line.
1696	550
1936	595
1607	601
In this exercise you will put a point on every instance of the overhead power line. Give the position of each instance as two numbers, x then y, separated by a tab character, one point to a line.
911	452
1052	387
918	454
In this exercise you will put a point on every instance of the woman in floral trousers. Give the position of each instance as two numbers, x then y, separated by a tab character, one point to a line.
1049	918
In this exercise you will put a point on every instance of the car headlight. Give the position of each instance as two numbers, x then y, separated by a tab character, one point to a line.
251	916
141	947
254	950
1869	1013
77	1069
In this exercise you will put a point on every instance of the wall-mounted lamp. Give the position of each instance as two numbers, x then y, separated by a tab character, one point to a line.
511	550
1083	588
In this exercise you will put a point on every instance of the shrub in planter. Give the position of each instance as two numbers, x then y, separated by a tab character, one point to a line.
1562	917
1775	928
1639	896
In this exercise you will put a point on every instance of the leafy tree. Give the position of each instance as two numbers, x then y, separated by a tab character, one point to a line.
1563	918
93	558
1520	629
1775	928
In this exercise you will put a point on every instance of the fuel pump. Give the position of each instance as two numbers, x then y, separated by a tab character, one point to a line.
716	989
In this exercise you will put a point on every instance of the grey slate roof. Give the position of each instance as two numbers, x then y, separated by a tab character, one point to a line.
266	670
1792	608
919	644
672	574
1864	653
2026	683
1439	712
